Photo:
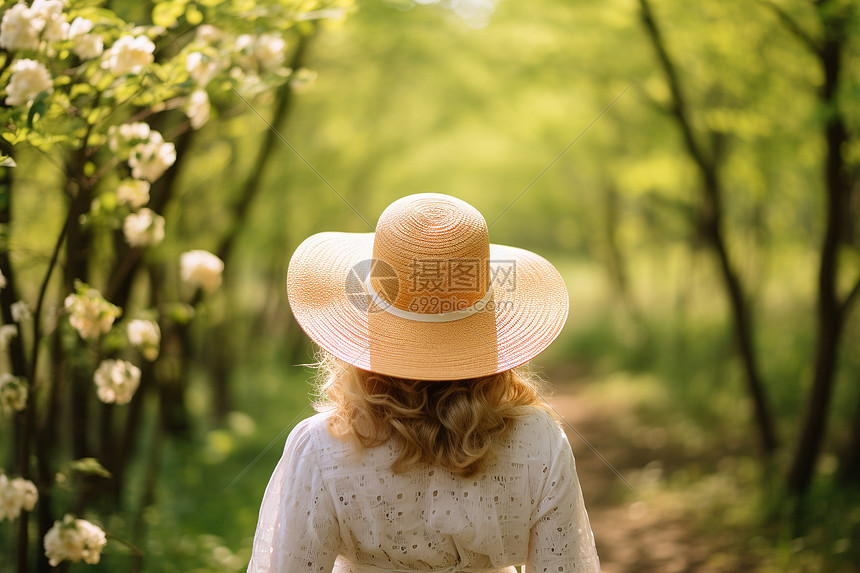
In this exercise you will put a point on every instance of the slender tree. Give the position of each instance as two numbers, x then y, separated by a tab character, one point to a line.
832	309
707	163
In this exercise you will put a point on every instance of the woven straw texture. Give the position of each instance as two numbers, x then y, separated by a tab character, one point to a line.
430	254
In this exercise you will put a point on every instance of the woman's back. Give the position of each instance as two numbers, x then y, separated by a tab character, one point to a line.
433	453
342	499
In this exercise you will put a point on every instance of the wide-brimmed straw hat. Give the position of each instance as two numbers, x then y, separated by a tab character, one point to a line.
426	296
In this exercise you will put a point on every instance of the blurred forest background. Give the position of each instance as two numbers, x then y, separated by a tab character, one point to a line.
690	167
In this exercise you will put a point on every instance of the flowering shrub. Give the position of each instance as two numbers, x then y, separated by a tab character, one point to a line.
109	101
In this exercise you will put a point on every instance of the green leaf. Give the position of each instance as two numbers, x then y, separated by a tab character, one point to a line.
179	312
193	15
90	466
97	114
167	13
37	108
80	89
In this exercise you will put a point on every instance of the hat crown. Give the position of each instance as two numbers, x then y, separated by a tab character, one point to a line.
436	252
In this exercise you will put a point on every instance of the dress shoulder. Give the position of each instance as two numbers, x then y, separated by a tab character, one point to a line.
539	433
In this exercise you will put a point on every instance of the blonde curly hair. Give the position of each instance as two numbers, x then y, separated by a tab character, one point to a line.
454	424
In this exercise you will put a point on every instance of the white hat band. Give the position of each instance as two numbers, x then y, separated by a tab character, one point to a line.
451	316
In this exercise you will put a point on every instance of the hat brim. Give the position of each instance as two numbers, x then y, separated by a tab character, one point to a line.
528	314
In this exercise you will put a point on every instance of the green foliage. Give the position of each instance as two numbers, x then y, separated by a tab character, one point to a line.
411	98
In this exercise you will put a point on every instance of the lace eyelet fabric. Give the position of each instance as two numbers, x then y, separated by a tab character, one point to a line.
333	506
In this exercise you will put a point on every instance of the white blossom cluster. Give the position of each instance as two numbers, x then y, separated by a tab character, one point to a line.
150	159
201	269
144	228
24	27
90	314
29	79
20	311
146	336
149	156
133	193
7	333
116	381
127	134
27	28
198	108
32	28
13	393
129	55
16	494
264	53
74	540
86	45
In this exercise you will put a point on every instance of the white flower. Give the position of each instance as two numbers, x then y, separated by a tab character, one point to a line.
79	27
13	393
90	314
7	332
51	12
116	381
133	192
20	311
144	228
29	79
89	46
266	52
201	68
146	335
2	280
15	495
132	131
244	42
198	108
20	27
74	540
130	54
149	160
201	269
127	133
85	45
269	51
27	493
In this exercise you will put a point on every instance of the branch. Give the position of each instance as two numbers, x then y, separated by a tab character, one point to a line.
138	554
43	289
679	105
252	186
793	27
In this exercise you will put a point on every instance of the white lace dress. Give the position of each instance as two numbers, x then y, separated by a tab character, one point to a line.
333	506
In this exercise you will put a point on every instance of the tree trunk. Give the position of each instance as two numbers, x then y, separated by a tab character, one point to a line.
829	310
849	459
711	212
221	360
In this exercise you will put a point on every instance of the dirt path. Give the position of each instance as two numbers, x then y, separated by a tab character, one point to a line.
632	535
